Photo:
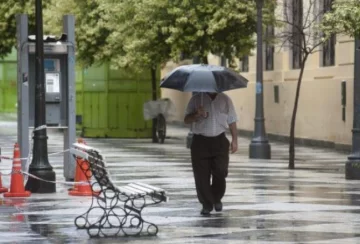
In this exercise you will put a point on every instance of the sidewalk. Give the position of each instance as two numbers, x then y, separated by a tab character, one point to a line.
265	202
279	150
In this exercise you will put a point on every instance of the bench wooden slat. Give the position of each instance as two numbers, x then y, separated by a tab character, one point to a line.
137	192
126	191
129	190
150	187
147	190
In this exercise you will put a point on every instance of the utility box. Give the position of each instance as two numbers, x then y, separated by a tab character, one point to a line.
59	68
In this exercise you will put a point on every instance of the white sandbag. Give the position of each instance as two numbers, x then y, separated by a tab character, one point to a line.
164	106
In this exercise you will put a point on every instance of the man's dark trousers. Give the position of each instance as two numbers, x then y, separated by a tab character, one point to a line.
210	157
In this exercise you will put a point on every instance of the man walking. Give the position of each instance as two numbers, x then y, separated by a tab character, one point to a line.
210	115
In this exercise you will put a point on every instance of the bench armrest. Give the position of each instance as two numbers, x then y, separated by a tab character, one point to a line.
152	190
79	153
84	147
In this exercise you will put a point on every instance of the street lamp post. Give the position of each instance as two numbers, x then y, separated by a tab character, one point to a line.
259	147
352	166
40	165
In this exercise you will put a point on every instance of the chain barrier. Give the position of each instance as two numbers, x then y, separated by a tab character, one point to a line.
28	161
55	182
38	178
50	154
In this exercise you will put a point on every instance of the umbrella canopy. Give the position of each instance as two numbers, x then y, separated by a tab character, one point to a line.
203	78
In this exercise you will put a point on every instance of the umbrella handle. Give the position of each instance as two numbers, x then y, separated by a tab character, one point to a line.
202	105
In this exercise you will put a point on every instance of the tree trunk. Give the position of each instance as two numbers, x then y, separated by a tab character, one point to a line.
293	118
154	98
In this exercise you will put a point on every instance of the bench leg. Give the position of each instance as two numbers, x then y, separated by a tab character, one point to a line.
133	223
82	221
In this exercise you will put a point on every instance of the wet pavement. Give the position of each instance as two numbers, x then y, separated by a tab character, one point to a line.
265	202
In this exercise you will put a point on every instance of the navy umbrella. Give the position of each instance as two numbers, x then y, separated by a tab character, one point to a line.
203	78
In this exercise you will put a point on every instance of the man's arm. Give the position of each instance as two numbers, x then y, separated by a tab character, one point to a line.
232	119
193	114
193	117
190	111
234	140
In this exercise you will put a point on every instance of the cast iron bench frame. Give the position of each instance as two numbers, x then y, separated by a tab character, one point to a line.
120	207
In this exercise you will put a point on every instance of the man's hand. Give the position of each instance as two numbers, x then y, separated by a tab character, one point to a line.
233	146
193	117
200	112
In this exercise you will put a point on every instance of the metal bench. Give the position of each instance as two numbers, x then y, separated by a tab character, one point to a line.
114	211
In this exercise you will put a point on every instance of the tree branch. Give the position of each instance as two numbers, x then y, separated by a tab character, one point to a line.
306	32
311	5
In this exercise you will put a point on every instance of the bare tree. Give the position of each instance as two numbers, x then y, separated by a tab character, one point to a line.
299	32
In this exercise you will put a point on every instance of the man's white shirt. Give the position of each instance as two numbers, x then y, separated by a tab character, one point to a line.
221	113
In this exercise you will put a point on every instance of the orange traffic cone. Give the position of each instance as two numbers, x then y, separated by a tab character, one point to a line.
17	180
83	189
78	171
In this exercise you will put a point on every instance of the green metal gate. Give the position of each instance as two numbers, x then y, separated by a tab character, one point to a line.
8	80
112	102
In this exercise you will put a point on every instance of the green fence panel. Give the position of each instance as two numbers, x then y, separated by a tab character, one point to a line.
8	89
8	80
2	85
113	102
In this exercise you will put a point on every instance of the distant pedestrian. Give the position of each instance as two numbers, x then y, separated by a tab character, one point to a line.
210	115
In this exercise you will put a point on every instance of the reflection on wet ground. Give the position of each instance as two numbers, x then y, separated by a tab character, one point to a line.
265	202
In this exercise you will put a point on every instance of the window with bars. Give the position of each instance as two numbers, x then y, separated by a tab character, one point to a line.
328	47
269	48
223	61
244	67
297	28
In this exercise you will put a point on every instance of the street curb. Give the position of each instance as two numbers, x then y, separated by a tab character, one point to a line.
306	142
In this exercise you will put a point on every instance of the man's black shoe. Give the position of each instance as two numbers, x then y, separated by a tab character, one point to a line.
205	212
218	206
